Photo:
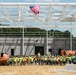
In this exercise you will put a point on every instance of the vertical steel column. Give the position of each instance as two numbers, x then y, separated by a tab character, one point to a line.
46	41
19	15
71	39
70	34
23	41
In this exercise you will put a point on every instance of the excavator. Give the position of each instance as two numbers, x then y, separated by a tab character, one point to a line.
3	58
68	52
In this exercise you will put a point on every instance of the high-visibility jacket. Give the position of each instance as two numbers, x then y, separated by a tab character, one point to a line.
35	59
32	59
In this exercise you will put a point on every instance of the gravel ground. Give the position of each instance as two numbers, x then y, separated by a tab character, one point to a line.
35	70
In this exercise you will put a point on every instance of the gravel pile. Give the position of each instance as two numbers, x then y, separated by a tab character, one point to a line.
69	68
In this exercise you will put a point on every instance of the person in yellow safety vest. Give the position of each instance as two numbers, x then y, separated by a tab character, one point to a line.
64	60
32	60
21	60
10	61
35	60
61	60
45	60
51	60
24	61
67	59
70	60
57	60
39	54
14	61
54	60
28	60
18	60
39	60
48	60
42	60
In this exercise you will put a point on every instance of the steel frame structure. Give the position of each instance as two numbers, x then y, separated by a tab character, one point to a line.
18	15
49	12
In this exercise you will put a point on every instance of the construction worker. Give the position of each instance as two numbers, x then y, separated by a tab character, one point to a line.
70	60
24	61
48	60
42	60
45	60
64	60
21	60
74	62
17	60
39	60
14	61
57	60
39	54
9	62
31	60
28	60
54	60
35	60
61	60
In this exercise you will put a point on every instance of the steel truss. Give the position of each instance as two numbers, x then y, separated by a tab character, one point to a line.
20	13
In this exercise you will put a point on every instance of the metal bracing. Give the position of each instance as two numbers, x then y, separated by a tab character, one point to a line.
5	14
49	16
47	42
71	39
23	42
67	16
19	14
49	12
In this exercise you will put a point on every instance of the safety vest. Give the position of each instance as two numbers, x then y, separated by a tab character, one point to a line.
54	59
69	58
21	59
38	54
28	59
60	59
35	59
64	59
14	59
17	59
45	58
57	59
32	60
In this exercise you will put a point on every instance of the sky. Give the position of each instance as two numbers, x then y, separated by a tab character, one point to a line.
44	1
38	1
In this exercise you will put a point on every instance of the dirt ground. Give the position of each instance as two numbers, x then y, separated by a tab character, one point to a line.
34	70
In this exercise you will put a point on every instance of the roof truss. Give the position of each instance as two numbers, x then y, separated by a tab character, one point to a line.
20	13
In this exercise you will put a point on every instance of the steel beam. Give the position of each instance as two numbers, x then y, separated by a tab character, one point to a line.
40	4
51	26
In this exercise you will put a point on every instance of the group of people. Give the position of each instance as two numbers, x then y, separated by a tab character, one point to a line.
42	60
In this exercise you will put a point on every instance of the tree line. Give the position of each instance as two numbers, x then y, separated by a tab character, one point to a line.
33	32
